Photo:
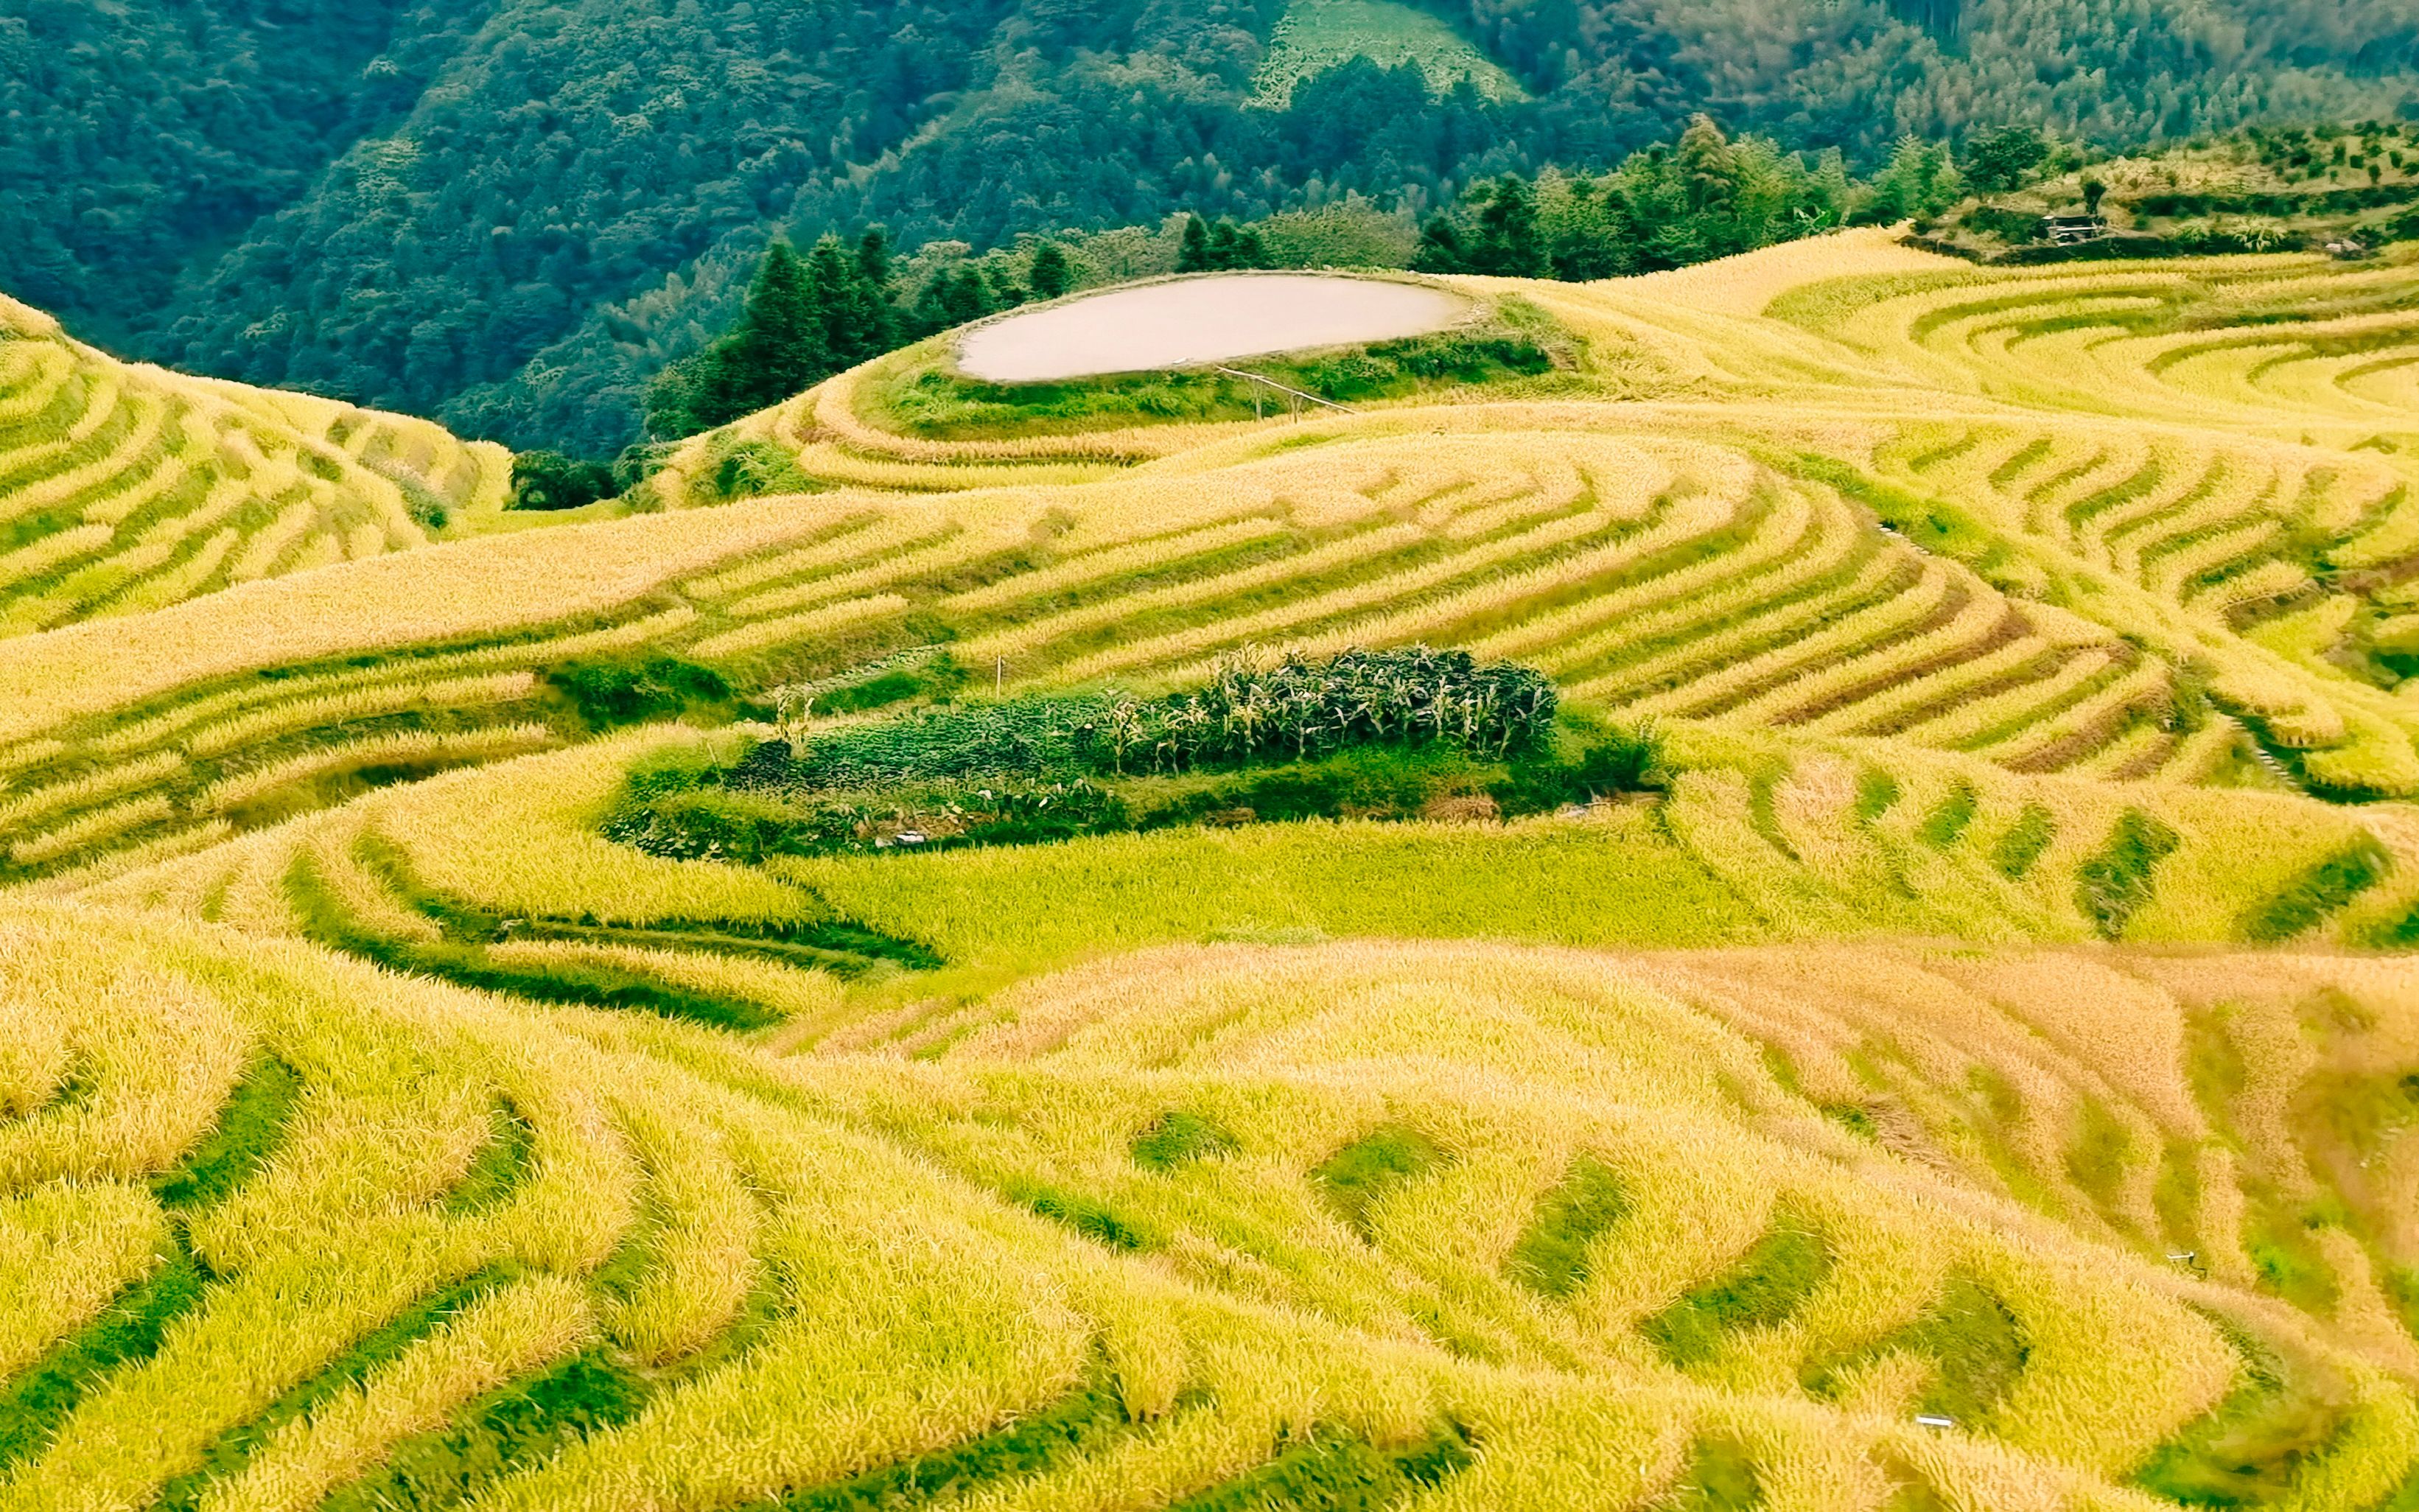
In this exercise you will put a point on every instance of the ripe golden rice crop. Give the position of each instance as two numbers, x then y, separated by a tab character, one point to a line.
1113	1218
1983	1079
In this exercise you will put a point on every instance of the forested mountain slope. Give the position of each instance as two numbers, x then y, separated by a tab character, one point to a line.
401	205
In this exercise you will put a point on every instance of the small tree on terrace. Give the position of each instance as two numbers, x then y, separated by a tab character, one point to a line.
779	347
854	312
1049	275
1193	252
1996	161
1506	241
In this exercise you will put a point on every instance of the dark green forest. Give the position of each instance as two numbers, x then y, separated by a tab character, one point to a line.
511	214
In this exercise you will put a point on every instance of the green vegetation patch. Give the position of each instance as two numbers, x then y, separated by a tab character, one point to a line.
1353	1180
1935	524
234	1449
462	957
1977	1344
609	692
1179	1137
2024	842
467	964
2320	892
500	1167
2254	1446
2113	884
1854	1116
1027	1445
1332	1473
1768	1286
1947	822
1551	1254
250	1125
1087	1215
249	1128
2284	1251
1402	734
2099	1151
1878	792
2403	1289
519	1425
1721	1477
128	1332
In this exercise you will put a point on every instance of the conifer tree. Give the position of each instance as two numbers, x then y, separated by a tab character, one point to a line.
854	314
1050	274
874	256
778	348
1193	252
1506	242
1440	250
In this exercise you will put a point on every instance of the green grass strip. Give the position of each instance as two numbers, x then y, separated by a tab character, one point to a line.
1088	1217
1766	1287
1876	794
2254	1446
1551	1254
2319	892
229	1455
1721	1477
250	1127
2015	852
1944	826
2405	1499
326	922
1335	1474
1762	791
1026	1446
2115	884
517	1425
1353	1179
1179	1138
502	1165
1978	1346
129	1331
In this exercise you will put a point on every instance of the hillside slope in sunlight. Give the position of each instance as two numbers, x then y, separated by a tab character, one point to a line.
126	488
1452	1226
2140	523
1786	886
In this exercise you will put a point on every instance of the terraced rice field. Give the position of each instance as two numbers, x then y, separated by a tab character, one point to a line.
1984	1076
1454	1226
125	489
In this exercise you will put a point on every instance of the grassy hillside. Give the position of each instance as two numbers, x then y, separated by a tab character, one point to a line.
1315	36
1917	1015
125	489
2125	522
2263	190
1307	1225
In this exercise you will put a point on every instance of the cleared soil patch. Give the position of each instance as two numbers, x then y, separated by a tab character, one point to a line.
1205	319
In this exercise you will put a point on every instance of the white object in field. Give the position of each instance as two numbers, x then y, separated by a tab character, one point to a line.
1185	322
1933	1420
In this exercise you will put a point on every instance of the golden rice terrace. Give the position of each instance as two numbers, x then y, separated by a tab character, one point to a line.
865	975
